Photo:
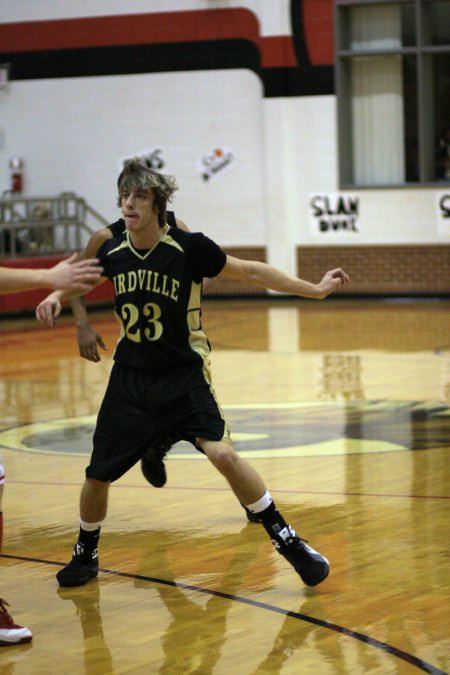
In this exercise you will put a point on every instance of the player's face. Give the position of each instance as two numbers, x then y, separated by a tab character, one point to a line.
138	210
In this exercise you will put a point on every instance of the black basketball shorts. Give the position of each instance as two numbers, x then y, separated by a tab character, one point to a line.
141	409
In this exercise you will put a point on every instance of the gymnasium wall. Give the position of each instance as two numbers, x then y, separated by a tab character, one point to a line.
236	98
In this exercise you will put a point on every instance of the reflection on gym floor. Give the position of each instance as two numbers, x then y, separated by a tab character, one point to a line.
342	406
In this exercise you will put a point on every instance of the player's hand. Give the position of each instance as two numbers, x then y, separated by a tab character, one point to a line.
48	311
73	274
88	342
332	279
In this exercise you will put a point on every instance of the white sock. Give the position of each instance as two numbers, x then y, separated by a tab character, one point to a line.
261	504
89	527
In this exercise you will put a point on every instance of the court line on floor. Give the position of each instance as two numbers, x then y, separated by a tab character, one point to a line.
372	642
194	488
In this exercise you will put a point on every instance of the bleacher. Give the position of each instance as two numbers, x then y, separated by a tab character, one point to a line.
40	231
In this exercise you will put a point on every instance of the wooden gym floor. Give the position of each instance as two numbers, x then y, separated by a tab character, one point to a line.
343	407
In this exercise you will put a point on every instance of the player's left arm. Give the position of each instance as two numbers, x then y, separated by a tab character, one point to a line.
261	274
182	226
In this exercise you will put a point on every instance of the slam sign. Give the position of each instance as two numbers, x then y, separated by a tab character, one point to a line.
443	212
334	212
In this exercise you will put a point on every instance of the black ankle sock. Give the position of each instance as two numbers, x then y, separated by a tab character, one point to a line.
89	540
272	520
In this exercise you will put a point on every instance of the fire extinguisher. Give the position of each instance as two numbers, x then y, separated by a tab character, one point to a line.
16	167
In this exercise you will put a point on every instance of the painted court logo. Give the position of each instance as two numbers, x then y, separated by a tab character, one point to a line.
308	429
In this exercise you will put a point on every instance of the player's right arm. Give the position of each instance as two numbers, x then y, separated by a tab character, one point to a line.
50	308
87	337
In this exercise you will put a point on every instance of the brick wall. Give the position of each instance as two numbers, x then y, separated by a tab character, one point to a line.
374	270
381	270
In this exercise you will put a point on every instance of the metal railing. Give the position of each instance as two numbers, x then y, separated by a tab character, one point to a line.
36	226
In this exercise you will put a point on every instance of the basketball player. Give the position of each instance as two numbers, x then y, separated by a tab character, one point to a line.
88	338
70	274
152	463
159	387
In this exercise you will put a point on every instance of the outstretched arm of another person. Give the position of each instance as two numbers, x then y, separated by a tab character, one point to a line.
261	274
50	308
67	274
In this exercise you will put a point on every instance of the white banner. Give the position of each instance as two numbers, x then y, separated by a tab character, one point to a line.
153	158
443	212
215	163
334	213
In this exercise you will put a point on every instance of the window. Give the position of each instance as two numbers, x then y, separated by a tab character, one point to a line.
393	91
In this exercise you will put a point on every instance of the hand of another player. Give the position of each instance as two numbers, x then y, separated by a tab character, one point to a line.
88	339
73	274
332	280
48	310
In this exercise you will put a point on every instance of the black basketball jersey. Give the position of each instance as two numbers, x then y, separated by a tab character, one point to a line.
157	298
119	226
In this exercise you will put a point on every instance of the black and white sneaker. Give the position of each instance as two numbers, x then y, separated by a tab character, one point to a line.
152	465
308	563
82	568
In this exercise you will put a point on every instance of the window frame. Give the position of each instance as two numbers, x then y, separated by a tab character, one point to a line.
423	54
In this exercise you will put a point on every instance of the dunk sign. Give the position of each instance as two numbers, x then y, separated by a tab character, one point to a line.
443	212
334	213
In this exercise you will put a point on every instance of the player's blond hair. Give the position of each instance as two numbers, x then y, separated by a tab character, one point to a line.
137	176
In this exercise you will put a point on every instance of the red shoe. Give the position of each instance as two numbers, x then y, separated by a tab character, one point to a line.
11	633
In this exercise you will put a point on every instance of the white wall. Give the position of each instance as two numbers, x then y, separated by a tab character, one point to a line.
273	15
73	132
